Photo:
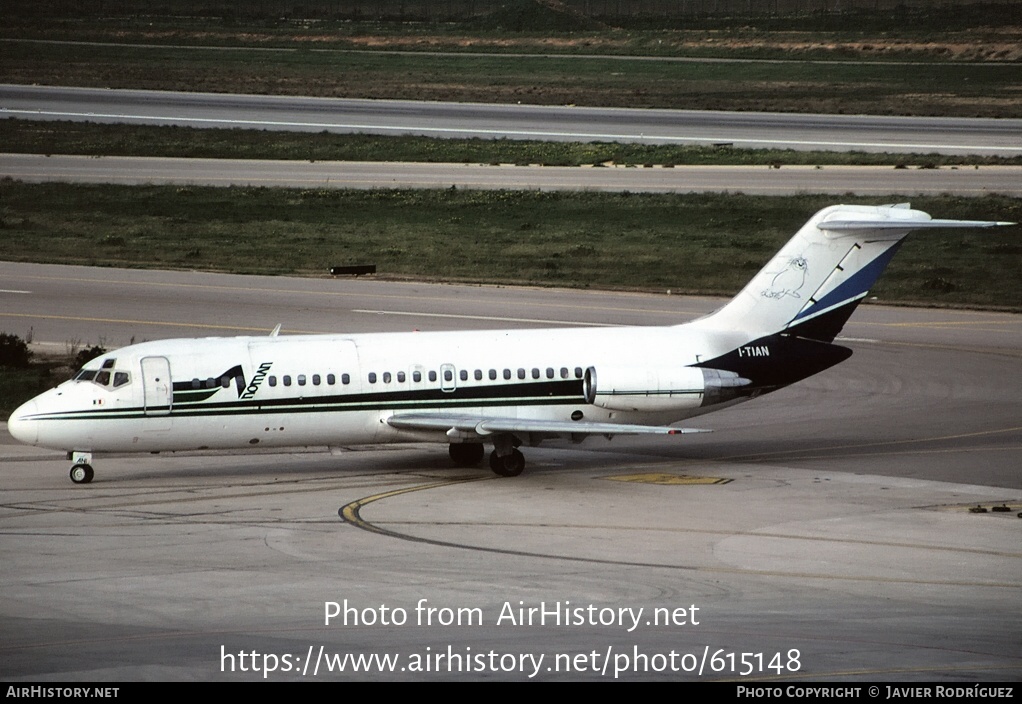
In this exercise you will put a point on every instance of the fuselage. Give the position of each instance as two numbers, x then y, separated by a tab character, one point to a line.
340	389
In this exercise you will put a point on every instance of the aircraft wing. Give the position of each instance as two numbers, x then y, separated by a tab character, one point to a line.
484	426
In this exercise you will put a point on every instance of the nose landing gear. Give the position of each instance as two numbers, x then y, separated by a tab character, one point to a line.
81	473
81	469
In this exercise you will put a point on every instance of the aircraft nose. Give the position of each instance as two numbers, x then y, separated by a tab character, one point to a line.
21	425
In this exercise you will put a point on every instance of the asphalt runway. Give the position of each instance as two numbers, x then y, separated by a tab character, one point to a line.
821	533
550	123
754	180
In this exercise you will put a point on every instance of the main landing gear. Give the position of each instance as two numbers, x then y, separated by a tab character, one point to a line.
509	464
81	470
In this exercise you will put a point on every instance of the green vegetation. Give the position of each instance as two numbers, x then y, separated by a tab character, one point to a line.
692	243
22	377
45	137
18	385
14	351
86	354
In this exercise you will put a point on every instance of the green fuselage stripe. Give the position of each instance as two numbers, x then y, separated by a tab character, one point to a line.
542	394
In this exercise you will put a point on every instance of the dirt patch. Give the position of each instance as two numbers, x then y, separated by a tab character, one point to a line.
1003	45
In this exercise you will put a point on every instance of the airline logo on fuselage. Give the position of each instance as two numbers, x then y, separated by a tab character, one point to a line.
257	380
754	351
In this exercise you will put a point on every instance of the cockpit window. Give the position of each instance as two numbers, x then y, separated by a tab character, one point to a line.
106	376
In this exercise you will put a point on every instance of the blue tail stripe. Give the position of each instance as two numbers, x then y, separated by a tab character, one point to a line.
855	287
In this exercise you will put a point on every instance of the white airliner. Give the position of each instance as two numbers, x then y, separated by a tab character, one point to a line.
470	389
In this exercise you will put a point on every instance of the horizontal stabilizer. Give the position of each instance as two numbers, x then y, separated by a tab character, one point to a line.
483	426
856	225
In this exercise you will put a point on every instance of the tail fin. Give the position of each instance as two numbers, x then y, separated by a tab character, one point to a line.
810	288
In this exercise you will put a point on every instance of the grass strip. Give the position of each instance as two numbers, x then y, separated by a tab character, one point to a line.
92	139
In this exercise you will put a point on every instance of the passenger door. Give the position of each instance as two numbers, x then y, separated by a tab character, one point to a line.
156	385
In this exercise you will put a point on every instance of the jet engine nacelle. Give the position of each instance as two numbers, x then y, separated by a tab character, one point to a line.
660	389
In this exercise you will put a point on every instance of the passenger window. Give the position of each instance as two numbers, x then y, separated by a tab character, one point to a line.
196	384
345	379
432	376
316	379
273	381
479	374
386	377
211	382
549	372
578	372
463	374
507	373
564	372
372	377
401	377
448	375
331	379
301	380
416	376
287	380
493	374
225	382
535	373
521	373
